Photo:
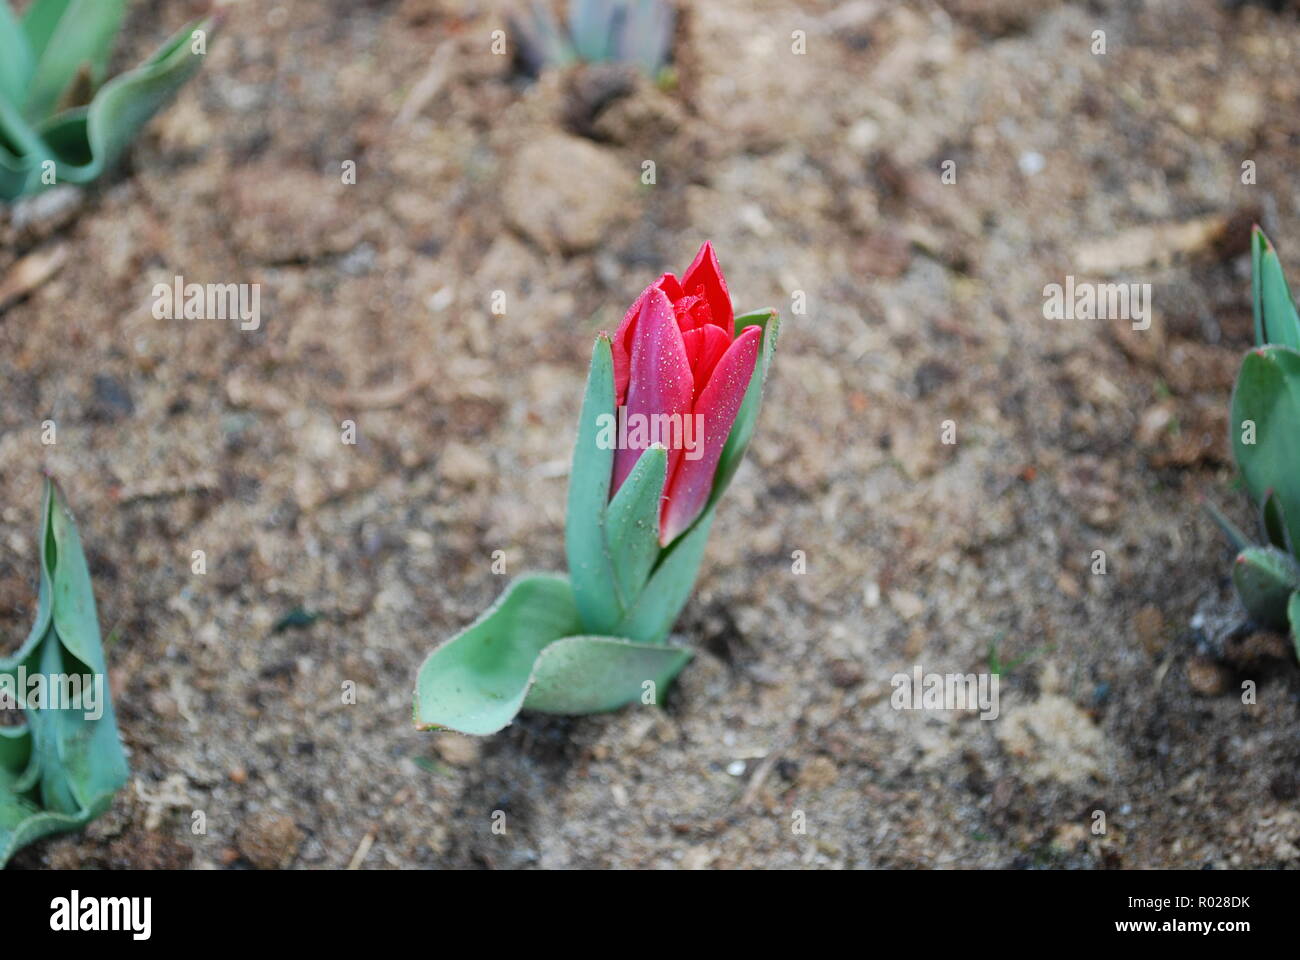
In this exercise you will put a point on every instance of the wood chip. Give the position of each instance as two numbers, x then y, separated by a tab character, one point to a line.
428	85
30	273
363	848
1154	244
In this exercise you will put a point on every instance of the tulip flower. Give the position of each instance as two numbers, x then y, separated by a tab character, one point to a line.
641	503
676	356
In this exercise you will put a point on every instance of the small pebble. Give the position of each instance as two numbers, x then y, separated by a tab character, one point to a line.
1206	677
845	674
1031	163
269	841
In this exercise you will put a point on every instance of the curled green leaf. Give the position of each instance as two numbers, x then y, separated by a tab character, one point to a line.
1293	615
590	569
655	610
632	524
1276	321
61	767
586	674
1265	578
527	652
1266	430
59	121
477	680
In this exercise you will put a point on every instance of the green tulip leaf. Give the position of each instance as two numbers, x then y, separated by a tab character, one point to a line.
1265	578
477	680
527	652
590	569
82	40
591	26
652	614
65	116
632	524
15	56
1266	409
1258	244
1275	314
646	35
1234	533
585	674
1274	523
60	768
41	20
595	31
1293	615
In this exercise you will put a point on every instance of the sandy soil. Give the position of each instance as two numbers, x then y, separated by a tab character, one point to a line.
818	174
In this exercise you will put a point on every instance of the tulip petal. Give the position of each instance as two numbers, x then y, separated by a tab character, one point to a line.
660	381
669	284
621	347
704	348
690	484
743	429
704	271
622	343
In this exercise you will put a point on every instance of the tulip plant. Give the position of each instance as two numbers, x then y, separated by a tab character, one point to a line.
59	121
1266	444
639	32
670	405
59	768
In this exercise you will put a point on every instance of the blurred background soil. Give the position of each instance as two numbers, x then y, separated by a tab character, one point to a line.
821	173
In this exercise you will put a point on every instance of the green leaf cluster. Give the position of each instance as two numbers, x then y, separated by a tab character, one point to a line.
62	120
60	767
1265	429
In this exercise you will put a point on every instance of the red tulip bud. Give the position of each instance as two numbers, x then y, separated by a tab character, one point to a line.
680	376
